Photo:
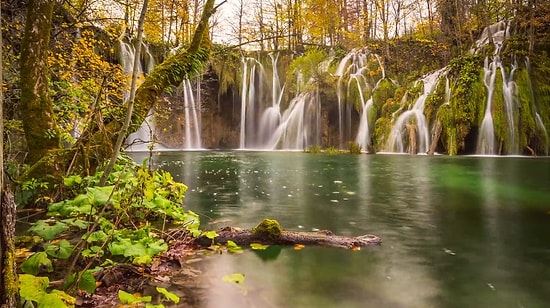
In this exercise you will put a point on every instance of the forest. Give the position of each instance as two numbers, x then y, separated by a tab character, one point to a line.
80	78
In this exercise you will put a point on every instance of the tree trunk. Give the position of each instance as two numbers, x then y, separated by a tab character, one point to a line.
9	287
412	139
435	137
36	106
96	144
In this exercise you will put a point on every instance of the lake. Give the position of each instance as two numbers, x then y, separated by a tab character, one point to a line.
456	231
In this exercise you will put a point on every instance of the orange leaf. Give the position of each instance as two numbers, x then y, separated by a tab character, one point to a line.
299	247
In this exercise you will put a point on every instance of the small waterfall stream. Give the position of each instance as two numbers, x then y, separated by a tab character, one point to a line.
145	138
497	34
263	124
415	116
353	70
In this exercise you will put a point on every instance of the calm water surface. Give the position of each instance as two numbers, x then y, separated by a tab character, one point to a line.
456	231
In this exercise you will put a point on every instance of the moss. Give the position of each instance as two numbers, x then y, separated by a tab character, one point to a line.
526	126
382	129
268	227
446	116
384	91
434	101
467	101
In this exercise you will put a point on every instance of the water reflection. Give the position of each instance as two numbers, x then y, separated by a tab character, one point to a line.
457	231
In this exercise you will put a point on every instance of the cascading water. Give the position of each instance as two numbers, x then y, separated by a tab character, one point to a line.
497	34
415	116
351	72
145	138
192	138
262	125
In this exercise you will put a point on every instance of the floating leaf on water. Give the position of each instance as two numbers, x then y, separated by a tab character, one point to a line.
355	248
258	246
491	286
299	247
235	278
351	193
337	182
334	201
448	251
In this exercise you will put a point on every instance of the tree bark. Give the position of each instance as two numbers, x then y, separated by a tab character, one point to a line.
435	137
37	115
96	144
9	287
184	64
412	139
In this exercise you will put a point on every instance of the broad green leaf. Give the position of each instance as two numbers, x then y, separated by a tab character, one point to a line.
258	246
156	247
127	248
154	306
93	251
127	298
32	288
87	282
46	231
79	223
210	234
56	299
99	195
169	295
98	236
79	205
38	262
142	260
62	250
233	248
72	180
235	278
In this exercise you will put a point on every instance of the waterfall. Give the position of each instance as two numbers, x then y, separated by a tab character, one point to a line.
145	138
416	116
354	69
498	33
486	139
300	124
192	138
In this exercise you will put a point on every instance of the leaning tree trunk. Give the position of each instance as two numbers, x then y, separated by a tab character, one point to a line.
187	63
37	114
96	144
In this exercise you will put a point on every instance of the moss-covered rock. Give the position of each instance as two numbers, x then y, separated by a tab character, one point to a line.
268	227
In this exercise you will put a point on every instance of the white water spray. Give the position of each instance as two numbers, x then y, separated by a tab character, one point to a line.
414	115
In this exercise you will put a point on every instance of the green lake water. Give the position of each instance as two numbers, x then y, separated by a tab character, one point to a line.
456	231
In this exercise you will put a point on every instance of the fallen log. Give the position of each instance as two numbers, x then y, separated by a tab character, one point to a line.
269	232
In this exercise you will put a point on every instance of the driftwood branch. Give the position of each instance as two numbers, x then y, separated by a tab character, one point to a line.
267	235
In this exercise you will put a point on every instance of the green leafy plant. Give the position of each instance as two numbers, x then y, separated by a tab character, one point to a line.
33	290
118	221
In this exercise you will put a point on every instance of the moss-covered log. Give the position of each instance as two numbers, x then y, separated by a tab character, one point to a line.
269	232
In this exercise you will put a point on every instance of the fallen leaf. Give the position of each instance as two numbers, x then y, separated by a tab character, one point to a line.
299	247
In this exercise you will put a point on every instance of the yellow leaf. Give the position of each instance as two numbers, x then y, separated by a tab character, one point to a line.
299	247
